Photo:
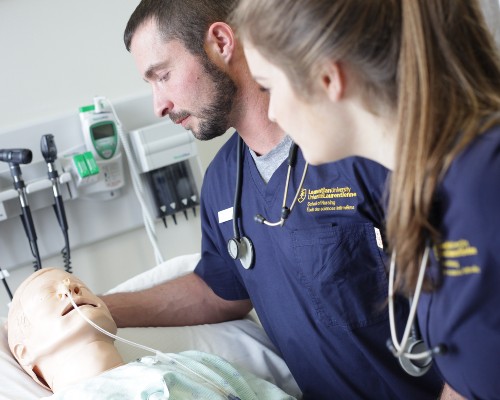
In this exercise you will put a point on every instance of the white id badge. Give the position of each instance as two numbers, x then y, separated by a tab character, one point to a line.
378	238
226	215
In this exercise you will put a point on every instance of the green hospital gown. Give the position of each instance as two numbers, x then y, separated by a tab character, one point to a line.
186	375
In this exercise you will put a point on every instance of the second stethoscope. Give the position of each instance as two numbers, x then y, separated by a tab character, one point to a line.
239	246
414	356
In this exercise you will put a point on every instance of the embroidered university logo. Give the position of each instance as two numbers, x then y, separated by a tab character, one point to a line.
303	195
327	199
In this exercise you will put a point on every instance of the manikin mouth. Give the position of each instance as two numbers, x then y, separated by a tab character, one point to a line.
79	303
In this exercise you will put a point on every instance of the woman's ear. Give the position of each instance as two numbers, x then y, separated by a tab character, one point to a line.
220	41
332	80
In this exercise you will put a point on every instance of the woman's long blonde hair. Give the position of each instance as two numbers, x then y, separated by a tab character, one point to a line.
434	62
449	93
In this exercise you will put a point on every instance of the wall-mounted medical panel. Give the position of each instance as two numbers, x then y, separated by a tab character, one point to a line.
170	168
97	206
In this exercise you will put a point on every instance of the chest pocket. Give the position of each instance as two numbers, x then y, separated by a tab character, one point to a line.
343	271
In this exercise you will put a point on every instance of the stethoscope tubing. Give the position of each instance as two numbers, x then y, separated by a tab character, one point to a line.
399	348
239	246
237	192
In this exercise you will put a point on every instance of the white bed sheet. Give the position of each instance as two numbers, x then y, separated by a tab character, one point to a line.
243	342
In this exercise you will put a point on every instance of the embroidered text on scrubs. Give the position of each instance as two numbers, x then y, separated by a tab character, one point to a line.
330	193
452	253
327	199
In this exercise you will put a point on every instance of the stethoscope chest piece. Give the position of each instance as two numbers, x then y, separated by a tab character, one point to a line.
241	249
415	367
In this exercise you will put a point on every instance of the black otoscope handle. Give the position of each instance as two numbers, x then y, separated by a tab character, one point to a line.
49	152
29	228
60	213
29	225
26	217
15	157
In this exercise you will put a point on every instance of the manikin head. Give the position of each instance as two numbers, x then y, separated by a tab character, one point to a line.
49	339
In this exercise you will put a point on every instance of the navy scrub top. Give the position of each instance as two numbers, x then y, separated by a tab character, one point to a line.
464	313
319	283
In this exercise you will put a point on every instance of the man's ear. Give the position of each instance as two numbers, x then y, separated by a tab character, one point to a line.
333	80
220	41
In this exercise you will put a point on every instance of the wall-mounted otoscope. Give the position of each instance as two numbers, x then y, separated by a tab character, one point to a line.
15	157
49	152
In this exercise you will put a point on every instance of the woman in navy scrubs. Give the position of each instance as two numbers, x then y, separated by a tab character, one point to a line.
415	86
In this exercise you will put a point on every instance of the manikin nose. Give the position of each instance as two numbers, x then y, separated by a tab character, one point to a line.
67	286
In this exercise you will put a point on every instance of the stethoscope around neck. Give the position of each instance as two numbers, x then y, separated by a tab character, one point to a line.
414	356
239	246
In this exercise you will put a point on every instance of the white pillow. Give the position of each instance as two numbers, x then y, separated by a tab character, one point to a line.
16	384
243	342
173	268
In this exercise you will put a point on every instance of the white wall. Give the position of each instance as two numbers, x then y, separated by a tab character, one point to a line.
491	10
56	56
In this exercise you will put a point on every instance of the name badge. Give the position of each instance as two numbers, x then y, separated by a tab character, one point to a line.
378	238
226	215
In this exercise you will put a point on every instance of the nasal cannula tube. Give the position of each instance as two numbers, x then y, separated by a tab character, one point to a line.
159	354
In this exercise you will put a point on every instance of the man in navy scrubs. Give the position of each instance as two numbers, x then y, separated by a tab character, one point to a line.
318	283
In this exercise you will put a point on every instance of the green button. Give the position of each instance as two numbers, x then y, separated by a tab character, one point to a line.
81	165
87	108
91	163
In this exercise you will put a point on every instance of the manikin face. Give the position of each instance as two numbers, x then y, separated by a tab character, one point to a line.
192	91
313	124
43	324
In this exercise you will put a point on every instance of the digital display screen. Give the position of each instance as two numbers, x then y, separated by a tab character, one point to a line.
103	131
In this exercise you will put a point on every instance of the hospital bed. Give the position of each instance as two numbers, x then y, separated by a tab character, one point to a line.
242	342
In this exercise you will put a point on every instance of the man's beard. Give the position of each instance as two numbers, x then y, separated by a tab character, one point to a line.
214	118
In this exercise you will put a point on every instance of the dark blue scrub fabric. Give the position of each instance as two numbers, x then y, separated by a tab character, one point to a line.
464	313
319	283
